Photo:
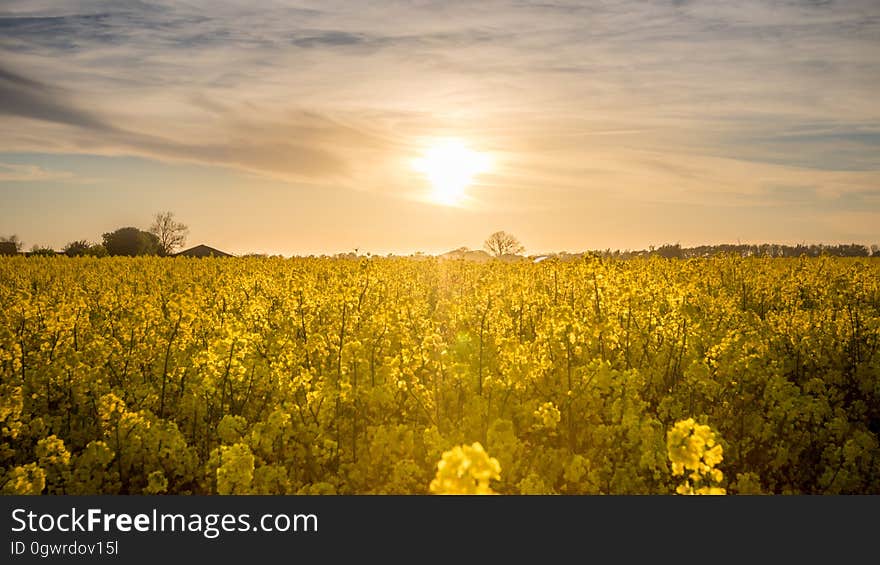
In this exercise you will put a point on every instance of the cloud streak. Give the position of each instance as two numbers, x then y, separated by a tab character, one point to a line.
23	97
17	172
297	148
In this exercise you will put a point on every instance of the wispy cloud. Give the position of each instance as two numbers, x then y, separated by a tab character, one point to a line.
16	172
667	100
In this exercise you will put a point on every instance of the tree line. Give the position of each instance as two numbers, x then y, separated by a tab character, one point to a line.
676	251
164	236
502	243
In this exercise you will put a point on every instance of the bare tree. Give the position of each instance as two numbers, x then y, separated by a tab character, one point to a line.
171	234
502	243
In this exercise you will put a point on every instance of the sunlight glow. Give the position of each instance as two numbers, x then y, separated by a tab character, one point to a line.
450	166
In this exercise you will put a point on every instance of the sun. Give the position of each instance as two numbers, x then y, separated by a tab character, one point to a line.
450	166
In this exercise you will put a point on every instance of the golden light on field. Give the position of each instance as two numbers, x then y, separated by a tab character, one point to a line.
450	166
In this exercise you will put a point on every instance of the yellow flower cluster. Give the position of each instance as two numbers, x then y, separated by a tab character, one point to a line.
25	479
548	416
235	470
692	447
465	470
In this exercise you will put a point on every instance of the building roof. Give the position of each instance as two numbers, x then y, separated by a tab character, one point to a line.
466	254
202	251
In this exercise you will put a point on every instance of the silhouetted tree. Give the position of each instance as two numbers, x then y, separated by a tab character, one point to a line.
84	247
502	243
669	251
171	234
10	245
41	251
77	248
130	241
97	250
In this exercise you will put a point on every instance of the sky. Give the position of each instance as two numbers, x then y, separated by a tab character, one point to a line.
293	127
